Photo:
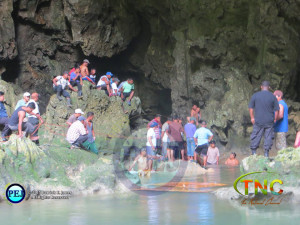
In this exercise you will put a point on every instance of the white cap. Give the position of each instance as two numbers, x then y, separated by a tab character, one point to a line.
26	94
79	111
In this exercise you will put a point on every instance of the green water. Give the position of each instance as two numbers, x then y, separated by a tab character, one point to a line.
162	208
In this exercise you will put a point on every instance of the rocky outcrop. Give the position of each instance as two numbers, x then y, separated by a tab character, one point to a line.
111	123
53	168
214	54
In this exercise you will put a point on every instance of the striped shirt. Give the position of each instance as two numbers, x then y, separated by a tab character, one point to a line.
75	130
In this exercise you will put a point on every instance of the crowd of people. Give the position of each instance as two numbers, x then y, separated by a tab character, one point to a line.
80	74
168	141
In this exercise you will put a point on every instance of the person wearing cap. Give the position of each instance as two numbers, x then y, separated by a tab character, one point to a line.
16	122
114	86
35	117
189	130
232	161
127	90
77	133
104	83
263	110
157	130
202	138
166	152
281	126
213	154
76	80
84	68
24	101
90	144
59	86
73	118
151	142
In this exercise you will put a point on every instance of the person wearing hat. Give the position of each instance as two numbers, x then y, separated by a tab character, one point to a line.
77	133
189	130
24	101
16	122
281	126
202	138
127	90
213	154
84	68
263	110
151	142
59	86
114	87
104	83
73	118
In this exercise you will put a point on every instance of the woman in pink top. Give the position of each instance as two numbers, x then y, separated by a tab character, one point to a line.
297	140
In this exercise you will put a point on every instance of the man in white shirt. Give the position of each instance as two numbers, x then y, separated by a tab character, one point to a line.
77	133
151	143
213	154
35	117
114	86
59	85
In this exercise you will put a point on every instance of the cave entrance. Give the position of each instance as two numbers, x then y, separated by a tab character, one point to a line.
12	70
155	99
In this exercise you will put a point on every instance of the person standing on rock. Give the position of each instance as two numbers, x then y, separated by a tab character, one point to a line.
90	144
263	109
213	154
157	130
202	137
77	133
195	113
24	101
76	80
281	126
59	86
127	90
104	83
84	68
73	118
189	130
35	117
16	122
3	114
166	151
151	143
176	141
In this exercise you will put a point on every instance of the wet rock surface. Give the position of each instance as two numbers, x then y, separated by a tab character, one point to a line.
51	168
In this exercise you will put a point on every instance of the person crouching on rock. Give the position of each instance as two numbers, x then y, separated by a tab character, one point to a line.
104	83
16	122
90	144
143	164
76	80
59	86
77	133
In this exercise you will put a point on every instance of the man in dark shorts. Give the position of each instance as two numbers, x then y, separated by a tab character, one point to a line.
176	141
263	109
202	137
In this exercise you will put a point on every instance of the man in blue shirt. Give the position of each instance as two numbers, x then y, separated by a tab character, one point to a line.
76	80
24	101
202	137
3	113
281	126
189	130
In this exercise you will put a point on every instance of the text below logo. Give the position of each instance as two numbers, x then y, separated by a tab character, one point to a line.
258	185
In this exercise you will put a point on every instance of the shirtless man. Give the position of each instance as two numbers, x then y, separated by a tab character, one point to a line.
194	113
84	68
232	161
143	163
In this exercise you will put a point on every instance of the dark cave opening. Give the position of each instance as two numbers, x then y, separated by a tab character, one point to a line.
12	70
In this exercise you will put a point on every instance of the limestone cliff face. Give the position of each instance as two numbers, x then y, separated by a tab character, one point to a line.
210	53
